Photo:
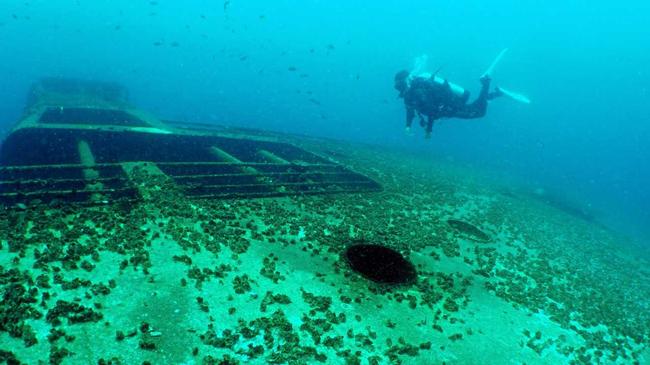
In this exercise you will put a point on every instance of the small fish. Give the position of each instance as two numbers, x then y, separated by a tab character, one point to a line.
175	44
262	17
117	27
292	68
243	58
330	47
154	3
302	76
157	44
226	5
314	101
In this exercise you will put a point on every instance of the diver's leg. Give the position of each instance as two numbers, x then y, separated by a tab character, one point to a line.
495	94
478	107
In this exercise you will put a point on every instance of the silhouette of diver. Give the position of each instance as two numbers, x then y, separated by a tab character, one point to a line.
434	98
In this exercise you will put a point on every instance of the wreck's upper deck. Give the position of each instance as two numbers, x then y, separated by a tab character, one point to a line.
82	141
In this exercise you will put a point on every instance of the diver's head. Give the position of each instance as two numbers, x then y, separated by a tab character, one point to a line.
400	81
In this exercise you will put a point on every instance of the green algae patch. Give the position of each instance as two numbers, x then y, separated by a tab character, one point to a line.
241	284
75	313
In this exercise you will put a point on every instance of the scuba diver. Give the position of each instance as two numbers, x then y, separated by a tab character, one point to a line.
432	97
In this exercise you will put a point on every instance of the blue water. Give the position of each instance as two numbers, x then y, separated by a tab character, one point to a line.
325	68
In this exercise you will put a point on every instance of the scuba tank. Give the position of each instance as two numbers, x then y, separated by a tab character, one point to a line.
455	88
419	70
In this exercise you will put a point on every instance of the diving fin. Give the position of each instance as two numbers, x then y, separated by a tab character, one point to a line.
514	96
510	94
494	63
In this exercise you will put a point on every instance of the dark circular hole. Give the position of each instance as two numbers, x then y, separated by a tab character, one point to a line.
380	264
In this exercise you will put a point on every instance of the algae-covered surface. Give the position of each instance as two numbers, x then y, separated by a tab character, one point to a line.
501	278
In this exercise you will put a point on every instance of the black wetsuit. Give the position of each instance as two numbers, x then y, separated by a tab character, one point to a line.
434	100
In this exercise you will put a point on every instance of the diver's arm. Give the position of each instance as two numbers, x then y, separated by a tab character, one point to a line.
410	114
430	120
